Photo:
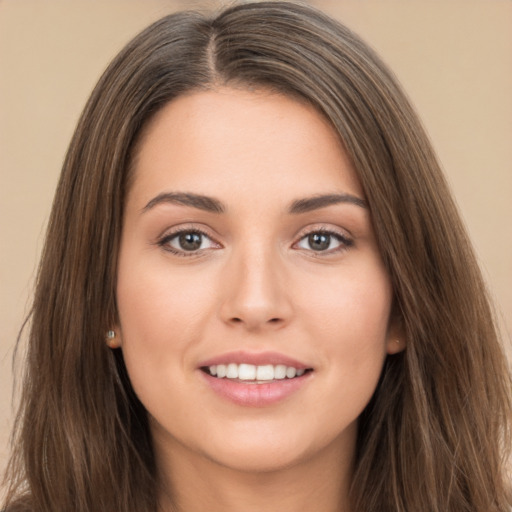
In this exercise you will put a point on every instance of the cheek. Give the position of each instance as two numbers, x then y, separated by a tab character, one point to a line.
350	317
156	302
161	313
355	354
353	305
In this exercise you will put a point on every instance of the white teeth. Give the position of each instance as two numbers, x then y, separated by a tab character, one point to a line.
279	371
291	372
251	372
265	372
232	371
247	372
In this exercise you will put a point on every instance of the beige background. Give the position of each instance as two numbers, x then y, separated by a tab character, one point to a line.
453	57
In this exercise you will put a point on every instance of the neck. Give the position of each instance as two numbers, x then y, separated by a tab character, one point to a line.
194	484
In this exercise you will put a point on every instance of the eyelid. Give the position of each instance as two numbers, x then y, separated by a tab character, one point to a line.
346	240
171	233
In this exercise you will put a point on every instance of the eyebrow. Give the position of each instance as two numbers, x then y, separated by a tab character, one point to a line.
208	204
322	201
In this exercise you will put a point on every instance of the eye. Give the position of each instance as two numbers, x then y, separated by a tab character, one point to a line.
187	241
324	241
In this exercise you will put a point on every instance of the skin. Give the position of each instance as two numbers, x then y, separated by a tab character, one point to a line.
256	284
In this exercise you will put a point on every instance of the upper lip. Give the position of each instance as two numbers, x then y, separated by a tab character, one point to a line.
255	358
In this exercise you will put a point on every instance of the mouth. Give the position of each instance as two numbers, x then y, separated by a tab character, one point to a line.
255	374
255	379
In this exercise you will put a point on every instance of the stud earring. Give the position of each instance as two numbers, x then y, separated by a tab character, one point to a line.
111	339
395	345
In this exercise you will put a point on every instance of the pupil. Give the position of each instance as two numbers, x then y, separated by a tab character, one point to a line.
190	241
319	241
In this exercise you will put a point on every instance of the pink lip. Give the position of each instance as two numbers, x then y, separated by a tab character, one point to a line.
255	358
252	394
255	395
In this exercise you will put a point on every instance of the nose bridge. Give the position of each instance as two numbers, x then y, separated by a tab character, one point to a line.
254	279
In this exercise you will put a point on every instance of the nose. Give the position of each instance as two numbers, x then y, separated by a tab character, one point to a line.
256	293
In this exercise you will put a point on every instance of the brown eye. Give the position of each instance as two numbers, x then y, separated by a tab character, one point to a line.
319	241
187	242
190	241
324	241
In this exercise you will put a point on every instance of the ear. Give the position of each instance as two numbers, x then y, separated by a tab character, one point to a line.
113	338
396	341
395	345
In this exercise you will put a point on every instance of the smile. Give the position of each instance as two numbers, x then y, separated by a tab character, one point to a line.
255	379
251	373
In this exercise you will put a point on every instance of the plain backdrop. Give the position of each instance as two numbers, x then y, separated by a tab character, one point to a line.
453	57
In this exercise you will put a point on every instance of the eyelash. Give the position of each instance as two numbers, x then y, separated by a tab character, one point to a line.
345	242
164	242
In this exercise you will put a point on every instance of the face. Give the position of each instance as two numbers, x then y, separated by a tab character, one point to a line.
253	303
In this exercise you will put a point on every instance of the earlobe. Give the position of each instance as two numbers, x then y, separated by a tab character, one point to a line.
113	339
395	345
396	339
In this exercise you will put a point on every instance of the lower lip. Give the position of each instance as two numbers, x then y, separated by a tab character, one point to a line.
253	394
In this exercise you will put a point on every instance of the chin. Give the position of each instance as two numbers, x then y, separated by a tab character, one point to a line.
267	452
258	460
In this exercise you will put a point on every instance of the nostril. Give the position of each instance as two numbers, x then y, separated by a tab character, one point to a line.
237	320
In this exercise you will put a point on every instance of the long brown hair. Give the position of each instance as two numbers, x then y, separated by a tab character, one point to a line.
436	435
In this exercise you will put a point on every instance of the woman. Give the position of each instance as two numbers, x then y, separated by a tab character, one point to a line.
256	292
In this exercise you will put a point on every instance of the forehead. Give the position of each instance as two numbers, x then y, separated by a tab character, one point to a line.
227	141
